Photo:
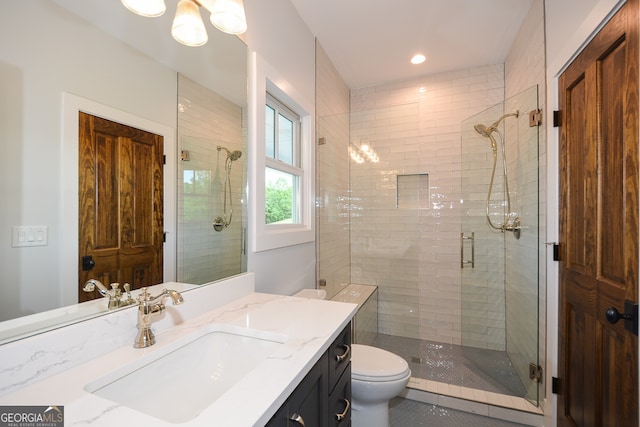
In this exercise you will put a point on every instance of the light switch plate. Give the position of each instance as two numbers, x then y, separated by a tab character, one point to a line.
29	235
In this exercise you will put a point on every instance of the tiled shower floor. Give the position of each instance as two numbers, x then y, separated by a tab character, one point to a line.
448	389
454	364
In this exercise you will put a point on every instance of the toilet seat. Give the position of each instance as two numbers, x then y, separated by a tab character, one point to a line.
376	365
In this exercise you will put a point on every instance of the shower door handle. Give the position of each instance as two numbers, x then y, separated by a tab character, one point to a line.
464	261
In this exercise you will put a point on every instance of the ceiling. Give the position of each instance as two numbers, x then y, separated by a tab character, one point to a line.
370	42
220	67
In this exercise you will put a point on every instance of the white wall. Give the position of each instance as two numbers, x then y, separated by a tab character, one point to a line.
569	24
56	53
281	39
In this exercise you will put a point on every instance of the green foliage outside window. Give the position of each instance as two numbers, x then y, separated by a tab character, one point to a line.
279	202
197	188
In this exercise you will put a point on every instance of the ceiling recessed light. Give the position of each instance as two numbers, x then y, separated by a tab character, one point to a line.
418	59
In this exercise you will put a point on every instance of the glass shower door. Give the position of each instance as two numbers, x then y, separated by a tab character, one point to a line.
499	243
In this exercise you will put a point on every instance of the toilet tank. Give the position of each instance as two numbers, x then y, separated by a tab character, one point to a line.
311	294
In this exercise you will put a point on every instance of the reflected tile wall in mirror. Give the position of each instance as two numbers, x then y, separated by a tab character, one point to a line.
207	120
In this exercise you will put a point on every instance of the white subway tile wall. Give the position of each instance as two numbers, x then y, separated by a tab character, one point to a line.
206	120
413	255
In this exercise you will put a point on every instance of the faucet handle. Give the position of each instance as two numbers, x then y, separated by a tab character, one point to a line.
144	295
129	300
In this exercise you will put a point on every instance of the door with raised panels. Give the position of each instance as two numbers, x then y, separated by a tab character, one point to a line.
120	205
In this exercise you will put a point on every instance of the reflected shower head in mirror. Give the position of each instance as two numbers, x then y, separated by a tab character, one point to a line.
222	222
232	155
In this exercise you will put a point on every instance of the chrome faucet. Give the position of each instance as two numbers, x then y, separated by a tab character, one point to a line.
148	307
114	294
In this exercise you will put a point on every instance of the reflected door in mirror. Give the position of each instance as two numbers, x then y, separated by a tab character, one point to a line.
120	204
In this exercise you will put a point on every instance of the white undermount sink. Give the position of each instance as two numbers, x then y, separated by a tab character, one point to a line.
176	383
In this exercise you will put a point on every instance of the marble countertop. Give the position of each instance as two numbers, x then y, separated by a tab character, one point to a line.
308	327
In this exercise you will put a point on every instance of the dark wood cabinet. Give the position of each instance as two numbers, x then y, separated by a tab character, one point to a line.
340	401
323	397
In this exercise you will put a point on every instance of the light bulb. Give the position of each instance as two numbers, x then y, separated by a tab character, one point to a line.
228	16
188	27
418	59
148	8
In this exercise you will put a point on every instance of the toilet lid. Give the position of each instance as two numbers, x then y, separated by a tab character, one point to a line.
375	364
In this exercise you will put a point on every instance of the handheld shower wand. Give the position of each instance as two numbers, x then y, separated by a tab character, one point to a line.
509	223
221	222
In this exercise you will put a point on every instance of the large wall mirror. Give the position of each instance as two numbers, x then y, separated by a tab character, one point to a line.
62	57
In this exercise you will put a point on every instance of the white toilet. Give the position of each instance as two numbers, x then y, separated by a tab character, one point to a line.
377	376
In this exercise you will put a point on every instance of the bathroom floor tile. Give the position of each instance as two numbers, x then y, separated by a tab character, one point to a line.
410	413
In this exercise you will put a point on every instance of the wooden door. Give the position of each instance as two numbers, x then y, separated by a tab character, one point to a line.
120	203
598	98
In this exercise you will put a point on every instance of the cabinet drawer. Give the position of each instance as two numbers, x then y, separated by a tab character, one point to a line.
308	403
340	401
339	356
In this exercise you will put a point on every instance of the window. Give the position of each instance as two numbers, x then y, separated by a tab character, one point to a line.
283	172
197	192
281	134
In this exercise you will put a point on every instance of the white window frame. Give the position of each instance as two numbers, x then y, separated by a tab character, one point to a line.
294	169
262	236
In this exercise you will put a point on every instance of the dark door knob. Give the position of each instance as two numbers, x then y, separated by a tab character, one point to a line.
613	315
88	263
630	316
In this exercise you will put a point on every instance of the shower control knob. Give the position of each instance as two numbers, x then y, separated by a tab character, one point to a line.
218	224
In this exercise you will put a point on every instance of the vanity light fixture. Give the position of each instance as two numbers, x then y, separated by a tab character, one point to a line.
418	59
148	8
188	27
226	15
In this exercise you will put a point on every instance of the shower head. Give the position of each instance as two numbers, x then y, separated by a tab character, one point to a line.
487	131
231	155
483	130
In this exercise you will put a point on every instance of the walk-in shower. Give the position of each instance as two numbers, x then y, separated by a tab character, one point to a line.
471	327
510	220
222	222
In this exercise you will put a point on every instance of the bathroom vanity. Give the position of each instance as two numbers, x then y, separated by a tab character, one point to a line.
323	398
227	356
